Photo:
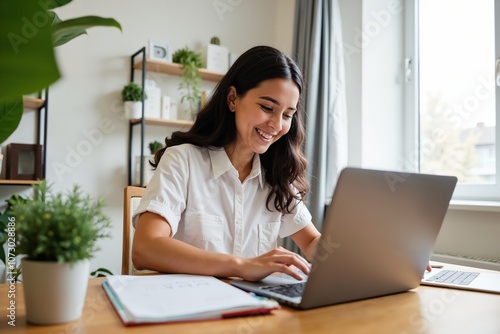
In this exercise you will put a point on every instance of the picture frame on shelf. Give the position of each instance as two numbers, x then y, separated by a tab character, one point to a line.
159	51
24	162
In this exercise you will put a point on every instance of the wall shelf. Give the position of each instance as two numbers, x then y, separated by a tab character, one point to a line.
149	65
18	182
176	69
165	122
33	103
40	106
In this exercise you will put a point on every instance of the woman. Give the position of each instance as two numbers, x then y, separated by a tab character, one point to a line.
224	191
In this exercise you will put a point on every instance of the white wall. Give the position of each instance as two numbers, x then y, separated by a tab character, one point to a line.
87	135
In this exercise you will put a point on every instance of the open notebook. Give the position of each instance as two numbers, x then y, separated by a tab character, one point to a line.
173	298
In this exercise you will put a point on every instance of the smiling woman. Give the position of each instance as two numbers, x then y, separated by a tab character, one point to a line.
239	170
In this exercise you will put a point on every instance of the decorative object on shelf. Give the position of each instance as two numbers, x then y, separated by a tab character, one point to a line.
215	40
154	146
152	107
148	169
216	57
33	49
132	100
24	162
191	79
159	51
58	234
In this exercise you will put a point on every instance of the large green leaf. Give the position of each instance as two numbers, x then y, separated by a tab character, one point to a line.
10	116
51	4
27	61
65	31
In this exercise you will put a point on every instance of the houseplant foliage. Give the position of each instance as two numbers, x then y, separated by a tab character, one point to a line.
132	98
28	34
58	234
154	146
55	227
191	78
132	92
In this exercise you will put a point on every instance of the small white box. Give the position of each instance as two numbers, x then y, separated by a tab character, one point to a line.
167	111
152	107
216	58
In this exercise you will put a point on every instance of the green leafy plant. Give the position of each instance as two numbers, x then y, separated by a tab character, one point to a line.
28	34
100	272
5	223
155	146
191	78
59	227
132	92
215	40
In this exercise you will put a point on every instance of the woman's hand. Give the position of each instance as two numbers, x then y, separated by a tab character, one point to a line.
278	260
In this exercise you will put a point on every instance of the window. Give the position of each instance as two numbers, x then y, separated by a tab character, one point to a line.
451	93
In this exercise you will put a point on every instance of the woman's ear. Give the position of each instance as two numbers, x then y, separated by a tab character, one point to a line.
231	98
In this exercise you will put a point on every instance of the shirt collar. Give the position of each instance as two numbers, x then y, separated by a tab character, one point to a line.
221	164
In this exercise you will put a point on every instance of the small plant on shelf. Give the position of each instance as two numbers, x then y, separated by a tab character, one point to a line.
191	78
155	146
132	98
132	92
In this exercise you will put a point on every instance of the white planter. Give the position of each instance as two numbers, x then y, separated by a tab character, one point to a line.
54	293
133	109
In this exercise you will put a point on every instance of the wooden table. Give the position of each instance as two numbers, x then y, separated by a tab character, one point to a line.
422	310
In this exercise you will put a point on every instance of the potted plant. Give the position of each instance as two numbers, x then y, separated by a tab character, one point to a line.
132	100
30	67
191	78
148	170
57	233
155	146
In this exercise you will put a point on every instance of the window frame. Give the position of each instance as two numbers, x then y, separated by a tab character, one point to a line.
411	103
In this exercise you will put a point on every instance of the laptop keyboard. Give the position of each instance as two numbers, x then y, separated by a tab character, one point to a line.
454	277
290	290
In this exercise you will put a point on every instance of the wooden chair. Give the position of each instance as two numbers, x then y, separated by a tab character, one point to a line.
132	197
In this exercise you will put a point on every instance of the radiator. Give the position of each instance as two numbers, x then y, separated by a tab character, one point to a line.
470	261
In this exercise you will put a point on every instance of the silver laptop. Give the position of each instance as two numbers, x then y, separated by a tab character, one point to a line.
377	238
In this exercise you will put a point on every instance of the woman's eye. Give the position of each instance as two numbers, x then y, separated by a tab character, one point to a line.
288	116
265	108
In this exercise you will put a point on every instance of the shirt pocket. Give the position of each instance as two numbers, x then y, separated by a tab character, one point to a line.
268	236
204	231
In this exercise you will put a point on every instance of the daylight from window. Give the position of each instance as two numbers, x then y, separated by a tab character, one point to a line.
457	91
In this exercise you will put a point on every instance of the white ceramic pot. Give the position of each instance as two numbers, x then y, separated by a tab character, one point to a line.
133	109
54	292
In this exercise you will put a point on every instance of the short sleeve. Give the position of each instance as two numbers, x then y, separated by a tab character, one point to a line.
166	193
294	221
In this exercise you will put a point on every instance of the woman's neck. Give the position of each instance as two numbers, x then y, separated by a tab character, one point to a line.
241	160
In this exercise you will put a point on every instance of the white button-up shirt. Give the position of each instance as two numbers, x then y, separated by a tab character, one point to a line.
198	192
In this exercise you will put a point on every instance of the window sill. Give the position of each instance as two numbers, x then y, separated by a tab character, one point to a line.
484	206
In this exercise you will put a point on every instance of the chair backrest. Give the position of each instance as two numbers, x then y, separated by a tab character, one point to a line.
132	197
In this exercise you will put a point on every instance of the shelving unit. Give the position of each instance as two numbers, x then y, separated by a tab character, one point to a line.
144	65
40	106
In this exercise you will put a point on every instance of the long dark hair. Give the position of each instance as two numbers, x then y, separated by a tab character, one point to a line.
215	126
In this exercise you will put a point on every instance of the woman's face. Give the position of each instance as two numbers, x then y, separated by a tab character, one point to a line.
264	114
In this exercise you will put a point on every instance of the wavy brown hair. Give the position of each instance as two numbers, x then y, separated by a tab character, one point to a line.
284	163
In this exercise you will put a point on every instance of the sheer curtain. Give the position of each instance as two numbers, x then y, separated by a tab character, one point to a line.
318	51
